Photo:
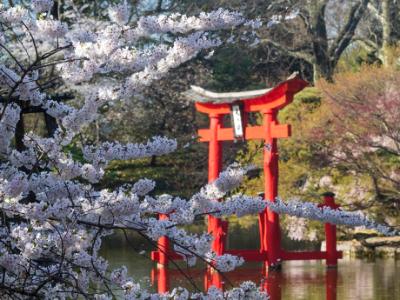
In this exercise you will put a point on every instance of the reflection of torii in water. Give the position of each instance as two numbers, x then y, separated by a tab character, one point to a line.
272	282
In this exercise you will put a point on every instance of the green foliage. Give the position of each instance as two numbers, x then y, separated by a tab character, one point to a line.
232	70
75	152
180	173
354	57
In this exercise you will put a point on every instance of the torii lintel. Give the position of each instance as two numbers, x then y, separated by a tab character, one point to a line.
257	100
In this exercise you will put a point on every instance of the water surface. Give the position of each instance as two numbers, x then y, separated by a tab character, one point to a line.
353	279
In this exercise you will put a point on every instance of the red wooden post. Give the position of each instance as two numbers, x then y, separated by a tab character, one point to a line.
163	246
271	232
215	225
261	228
330	233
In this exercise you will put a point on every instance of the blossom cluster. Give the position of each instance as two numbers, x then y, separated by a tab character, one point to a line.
298	230
116	151
225	262
277	19
54	218
54	213
89	215
313	211
246	291
41	5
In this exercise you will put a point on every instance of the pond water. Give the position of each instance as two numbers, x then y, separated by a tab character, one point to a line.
311	280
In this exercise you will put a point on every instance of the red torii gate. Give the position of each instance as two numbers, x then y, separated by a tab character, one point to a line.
268	102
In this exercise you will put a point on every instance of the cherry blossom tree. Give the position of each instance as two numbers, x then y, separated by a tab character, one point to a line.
53	216
313	211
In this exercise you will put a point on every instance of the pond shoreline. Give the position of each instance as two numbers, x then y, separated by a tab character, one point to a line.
373	247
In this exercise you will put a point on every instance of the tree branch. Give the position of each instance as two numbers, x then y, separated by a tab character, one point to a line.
367	44
374	11
297	54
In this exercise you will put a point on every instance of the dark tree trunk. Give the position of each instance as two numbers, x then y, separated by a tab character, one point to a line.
327	56
320	47
153	161
19	134
51	124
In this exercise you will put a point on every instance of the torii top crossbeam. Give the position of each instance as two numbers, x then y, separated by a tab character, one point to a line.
201	95
264	100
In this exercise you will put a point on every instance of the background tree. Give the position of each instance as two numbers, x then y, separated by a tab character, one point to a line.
321	45
379	32
315	33
361	135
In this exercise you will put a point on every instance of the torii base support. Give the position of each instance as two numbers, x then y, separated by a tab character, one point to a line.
331	255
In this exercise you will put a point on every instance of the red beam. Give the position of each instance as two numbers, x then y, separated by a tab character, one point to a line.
280	130
276	98
269	101
251	133
212	108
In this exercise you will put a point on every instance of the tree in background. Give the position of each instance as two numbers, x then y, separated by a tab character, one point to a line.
360	136
158	109
321	43
315	32
242	63
379	33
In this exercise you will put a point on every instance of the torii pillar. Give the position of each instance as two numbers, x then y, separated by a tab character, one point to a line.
267	102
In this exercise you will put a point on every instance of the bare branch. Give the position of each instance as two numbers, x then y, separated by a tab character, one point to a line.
366	43
13	57
297	54
374	11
